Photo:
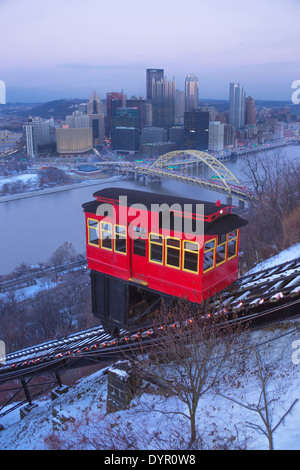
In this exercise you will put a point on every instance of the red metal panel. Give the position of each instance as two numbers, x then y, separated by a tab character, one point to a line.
171	280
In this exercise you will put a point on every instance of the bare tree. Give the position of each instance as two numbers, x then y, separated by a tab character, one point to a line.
72	298
188	355
51	176
63	254
276	182
13	321
267	400
291	228
46	317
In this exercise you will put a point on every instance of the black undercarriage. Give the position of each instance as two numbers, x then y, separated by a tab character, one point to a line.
121	304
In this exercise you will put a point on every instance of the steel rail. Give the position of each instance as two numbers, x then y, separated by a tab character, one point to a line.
78	345
254	296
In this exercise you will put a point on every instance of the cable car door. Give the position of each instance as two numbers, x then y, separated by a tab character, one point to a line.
138	253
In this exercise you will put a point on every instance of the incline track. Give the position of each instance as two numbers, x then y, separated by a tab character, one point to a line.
273	292
275	284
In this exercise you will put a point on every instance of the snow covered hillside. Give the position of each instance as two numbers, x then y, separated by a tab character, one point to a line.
152	422
156	422
284	256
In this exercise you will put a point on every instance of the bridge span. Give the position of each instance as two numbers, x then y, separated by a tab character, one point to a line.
184	166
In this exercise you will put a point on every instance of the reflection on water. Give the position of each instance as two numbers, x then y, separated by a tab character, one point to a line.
32	229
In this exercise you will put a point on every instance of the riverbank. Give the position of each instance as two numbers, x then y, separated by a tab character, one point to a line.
240	152
57	189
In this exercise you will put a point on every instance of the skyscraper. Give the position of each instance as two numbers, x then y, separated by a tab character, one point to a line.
96	115
179	106
125	117
236	106
30	140
37	135
113	100
163	102
250	111
140	104
191	93
216	136
152	74
196	130
2	92
125	138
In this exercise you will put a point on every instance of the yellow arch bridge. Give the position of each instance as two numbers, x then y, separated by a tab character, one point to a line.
222	180
168	166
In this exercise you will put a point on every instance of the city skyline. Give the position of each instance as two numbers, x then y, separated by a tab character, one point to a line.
66	49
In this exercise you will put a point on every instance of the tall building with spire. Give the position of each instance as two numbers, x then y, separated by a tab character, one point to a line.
236	106
96	115
191	93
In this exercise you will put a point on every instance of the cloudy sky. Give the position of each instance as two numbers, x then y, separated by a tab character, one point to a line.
66	48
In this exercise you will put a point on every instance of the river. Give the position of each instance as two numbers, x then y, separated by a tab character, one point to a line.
32	228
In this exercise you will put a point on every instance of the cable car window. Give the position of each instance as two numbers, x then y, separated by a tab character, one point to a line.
221	249
156	248
173	252
120	239
93	232
232	244
222	238
190	256
106	235
209	255
210	245
139	241
232	235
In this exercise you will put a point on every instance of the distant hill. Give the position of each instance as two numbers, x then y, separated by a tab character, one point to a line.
274	104
221	105
57	109
259	103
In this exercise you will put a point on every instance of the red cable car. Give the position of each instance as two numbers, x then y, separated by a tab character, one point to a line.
143	246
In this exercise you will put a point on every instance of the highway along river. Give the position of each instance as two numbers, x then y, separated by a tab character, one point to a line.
32	228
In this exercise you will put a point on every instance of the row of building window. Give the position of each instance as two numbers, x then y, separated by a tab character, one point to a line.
216	252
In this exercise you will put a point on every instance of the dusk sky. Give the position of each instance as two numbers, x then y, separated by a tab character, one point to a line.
66	48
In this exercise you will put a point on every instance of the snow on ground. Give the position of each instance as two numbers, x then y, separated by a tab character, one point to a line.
156	422
25	178
289	254
31	291
146	425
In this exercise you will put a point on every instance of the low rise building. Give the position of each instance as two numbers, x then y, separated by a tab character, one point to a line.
74	140
216	136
